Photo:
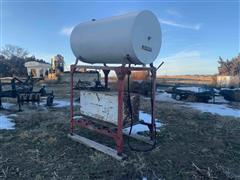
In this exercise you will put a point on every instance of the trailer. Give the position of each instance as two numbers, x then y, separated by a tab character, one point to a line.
196	94
23	92
231	94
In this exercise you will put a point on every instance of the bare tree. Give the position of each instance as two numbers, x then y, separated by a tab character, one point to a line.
229	67
10	51
12	60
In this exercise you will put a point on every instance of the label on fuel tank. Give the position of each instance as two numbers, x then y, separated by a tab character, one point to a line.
146	48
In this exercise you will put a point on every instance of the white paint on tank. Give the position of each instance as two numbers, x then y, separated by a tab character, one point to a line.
110	40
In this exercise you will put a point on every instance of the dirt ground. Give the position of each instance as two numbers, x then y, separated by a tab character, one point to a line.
190	145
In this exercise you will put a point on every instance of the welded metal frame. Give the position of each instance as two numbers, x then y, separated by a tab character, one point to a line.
121	72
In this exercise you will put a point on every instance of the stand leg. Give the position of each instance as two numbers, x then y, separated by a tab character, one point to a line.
1	107
106	72
19	103
153	135
71	101
120	115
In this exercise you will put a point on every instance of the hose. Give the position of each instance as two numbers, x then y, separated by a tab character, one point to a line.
153	146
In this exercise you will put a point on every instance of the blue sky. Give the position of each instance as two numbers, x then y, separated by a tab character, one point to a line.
195	33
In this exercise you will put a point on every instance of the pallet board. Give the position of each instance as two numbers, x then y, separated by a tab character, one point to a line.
100	147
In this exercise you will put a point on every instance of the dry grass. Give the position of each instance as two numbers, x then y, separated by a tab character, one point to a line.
188	79
191	145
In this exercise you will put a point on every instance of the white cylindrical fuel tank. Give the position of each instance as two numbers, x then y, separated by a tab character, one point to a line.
111	40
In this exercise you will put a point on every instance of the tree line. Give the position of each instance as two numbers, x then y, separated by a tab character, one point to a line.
12	60
229	67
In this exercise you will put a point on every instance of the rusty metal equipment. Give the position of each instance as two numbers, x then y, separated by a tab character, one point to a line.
23	92
115	133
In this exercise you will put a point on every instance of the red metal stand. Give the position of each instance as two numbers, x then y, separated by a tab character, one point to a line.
117	133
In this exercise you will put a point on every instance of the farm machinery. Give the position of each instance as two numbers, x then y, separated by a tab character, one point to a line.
195	94
231	94
23	92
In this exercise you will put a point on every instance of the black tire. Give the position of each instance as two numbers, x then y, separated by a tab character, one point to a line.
33	98
22	99
174	96
38	98
50	100
28	97
178	97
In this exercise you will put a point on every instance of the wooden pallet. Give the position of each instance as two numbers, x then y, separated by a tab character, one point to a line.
100	147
